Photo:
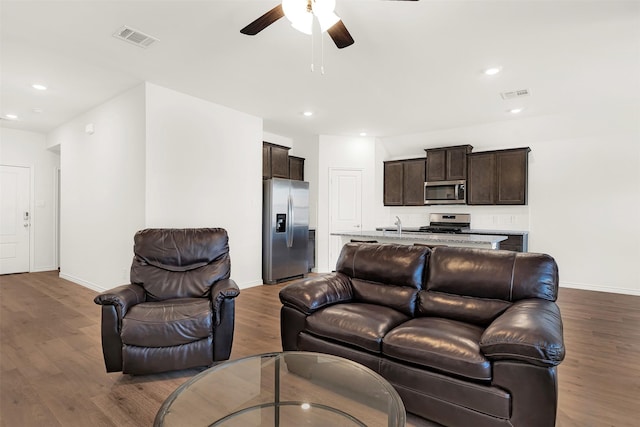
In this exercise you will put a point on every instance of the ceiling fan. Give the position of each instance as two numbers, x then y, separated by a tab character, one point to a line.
301	13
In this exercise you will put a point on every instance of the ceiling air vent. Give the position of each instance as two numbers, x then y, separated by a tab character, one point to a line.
135	37
515	94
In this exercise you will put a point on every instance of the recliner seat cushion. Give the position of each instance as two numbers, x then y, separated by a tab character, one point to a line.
167	323
442	344
147	360
358	324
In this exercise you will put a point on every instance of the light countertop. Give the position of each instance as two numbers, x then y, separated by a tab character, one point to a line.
408	235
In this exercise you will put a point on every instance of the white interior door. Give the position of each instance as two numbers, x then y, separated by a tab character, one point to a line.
15	219
345	199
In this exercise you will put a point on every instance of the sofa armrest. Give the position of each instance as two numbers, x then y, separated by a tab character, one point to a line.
313	293
123	297
529	331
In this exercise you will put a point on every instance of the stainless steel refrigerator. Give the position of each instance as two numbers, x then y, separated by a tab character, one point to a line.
285	229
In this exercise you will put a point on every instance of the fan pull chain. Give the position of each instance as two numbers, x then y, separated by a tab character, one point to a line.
312	50
322	53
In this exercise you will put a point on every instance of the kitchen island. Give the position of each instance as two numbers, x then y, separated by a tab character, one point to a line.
410	237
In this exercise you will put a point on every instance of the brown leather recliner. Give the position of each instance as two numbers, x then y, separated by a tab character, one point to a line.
178	312
467	337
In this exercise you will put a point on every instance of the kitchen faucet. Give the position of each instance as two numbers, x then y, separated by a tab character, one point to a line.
398	224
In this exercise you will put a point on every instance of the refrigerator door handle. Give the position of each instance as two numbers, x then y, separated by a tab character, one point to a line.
290	224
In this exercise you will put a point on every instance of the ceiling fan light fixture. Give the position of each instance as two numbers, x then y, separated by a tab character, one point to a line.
324	10
304	24
327	20
296	11
301	12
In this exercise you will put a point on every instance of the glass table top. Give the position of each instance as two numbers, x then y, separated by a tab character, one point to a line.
284	389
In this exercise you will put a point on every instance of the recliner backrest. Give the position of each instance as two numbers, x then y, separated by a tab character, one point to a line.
180	263
477	285
385	274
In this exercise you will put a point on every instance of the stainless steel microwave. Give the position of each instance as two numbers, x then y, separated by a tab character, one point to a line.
445	192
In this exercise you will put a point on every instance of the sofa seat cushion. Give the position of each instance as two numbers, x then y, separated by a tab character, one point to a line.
442	344
167	323
357	324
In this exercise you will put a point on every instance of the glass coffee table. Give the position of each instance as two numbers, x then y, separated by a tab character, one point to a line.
284	389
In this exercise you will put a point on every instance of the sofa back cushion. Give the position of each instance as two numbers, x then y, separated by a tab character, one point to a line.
180	263
477	285
385	274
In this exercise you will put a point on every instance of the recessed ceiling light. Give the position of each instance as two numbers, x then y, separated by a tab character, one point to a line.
39	86
308	113
11	116
363	134
492	71
516	110
37	110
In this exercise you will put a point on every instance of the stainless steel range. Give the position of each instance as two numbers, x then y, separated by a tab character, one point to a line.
447	223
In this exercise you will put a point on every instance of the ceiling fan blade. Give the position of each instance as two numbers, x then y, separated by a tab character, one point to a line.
340	35
264	21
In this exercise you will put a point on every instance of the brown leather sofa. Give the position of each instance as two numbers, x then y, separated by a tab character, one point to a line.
178	312
467	337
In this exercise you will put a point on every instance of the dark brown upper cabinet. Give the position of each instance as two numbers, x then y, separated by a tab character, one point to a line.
447	163
277	163
498	177
393	185
404	182
296	168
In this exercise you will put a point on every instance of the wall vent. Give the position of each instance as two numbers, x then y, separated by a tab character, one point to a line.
515	94
136	37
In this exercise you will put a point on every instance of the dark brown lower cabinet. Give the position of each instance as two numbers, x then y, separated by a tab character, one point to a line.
498	177
517	242
311	249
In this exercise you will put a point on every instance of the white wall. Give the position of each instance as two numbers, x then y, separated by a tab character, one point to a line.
584	191
28	149
350	153
102	190
273	138
204	169
307	148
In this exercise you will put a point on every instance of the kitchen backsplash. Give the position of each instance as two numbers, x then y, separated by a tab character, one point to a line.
482	217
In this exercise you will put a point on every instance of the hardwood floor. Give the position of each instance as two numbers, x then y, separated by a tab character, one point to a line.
52	372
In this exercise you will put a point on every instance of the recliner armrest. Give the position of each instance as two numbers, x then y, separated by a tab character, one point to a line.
225	288
313	293
529	331
123	297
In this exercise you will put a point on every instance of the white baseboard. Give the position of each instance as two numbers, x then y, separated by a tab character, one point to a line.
41	269
587	287
81	282
251	284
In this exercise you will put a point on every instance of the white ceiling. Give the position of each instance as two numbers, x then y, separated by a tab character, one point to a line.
414	67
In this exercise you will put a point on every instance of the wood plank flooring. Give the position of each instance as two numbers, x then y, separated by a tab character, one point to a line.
52	372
